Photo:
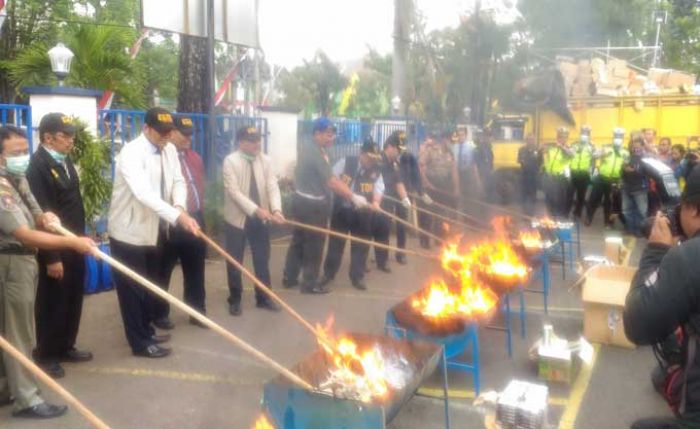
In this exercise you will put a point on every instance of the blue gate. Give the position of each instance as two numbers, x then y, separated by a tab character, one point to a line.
18	115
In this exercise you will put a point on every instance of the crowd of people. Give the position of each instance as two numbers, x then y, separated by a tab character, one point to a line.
578	177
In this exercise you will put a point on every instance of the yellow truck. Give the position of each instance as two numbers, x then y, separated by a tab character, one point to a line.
673	116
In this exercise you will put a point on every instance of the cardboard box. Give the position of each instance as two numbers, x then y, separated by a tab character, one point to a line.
676	79
614	249
556	364
604	293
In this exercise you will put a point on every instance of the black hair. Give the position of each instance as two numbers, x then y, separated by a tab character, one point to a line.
680	148
9	131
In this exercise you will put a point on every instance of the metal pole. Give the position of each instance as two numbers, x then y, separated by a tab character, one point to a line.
210	148
656	43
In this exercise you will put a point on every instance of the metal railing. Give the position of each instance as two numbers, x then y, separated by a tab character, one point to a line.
18	115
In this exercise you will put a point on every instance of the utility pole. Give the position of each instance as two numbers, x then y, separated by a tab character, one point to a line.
403	16
659	18
477	80
210	147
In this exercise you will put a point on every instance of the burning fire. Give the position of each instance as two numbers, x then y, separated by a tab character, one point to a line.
502	225
357	374
440	302
499	259
262	423
531	239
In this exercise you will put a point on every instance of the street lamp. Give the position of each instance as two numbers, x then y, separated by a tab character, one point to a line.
60	58
396	105
467	111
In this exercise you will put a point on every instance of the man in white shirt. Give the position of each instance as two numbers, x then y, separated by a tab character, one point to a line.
252	200
149	193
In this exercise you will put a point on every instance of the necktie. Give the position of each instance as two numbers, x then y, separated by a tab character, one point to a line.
253	190
193	202
162	224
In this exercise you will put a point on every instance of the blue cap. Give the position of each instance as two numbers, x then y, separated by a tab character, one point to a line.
322	124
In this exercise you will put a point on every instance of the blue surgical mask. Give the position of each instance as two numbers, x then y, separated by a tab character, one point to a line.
58	156
17	165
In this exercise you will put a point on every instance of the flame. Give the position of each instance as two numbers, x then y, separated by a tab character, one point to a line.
498	258
547	222
439	302
262	423
502	225
362	373
531	239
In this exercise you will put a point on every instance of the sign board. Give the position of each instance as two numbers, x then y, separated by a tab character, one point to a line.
235	21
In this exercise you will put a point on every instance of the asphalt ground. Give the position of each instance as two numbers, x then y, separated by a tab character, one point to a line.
209	383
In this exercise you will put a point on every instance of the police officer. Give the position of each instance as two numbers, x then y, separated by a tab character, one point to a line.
394	187
663	298
20	214
362	175
410	177
606	183
530	160
314	182
59	301
557	160
581	164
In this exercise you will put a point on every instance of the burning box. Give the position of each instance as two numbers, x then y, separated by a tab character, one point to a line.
405	366
522	405
604	293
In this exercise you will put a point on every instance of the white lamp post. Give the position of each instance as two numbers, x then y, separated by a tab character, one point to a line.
396	105
467	111
60	58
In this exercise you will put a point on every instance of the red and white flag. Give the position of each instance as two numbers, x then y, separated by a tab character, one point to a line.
3	11
108	96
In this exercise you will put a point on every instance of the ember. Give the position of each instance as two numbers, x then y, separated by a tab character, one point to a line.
354	373
263	423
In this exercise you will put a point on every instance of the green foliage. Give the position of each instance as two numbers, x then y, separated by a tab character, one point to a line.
681	35
158	65
92	157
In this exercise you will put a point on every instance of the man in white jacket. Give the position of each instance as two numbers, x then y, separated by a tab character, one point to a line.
149	194
252	200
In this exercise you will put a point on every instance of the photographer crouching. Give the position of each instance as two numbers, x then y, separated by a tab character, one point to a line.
663	308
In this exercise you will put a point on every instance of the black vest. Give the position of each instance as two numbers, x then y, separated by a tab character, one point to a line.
360	182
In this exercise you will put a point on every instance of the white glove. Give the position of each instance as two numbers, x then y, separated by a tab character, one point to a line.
359	201
426	199
406	203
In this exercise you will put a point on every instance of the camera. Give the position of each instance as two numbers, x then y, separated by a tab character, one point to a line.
673	214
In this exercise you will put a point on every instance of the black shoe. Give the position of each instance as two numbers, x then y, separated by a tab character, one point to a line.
75	355
153	351
268	305
160	338
196	322
234	309
384	268
164	323
53	369
316	290
401	259
41	411
325	281
288	284
359	284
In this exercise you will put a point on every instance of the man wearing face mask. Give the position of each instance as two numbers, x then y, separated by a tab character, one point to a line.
606	184
252	200
20	215
59	299
581	170
557	160
149	194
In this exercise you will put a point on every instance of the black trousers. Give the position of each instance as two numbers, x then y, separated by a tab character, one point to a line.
578	189
402	213
663	423
257	234
381	231
556	193
431	224
135	302
58	307
191	251
602	190
529	190
358	223
306	249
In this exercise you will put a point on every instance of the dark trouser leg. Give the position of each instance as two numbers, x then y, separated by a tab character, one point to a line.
292	265
563	206
381	229
336	245
160	308
259	239
313	213
550	195
235	246
362	228
658	423
402	213
133	298
607	202
579	184
192	256
58	307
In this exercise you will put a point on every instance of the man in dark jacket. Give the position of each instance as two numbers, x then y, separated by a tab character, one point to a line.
410	176
634	188
530	159
59	299
664	297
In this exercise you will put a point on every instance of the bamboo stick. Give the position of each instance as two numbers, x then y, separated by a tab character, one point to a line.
441	217
153	288
52	384
455	211
410	225
503	209
259	284
360	240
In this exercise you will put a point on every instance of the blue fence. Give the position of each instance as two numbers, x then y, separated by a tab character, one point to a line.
20	116
351	133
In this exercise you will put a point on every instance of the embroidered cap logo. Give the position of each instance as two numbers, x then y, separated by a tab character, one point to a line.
165	118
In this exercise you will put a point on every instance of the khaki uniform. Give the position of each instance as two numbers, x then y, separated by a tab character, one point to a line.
18	277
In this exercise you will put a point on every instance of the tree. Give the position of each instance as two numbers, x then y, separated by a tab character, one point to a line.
193	87
681	34
158	64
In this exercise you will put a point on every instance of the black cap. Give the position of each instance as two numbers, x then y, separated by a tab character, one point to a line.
185	125
160	120
691	193
396	139
56	123
370	148
250	134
